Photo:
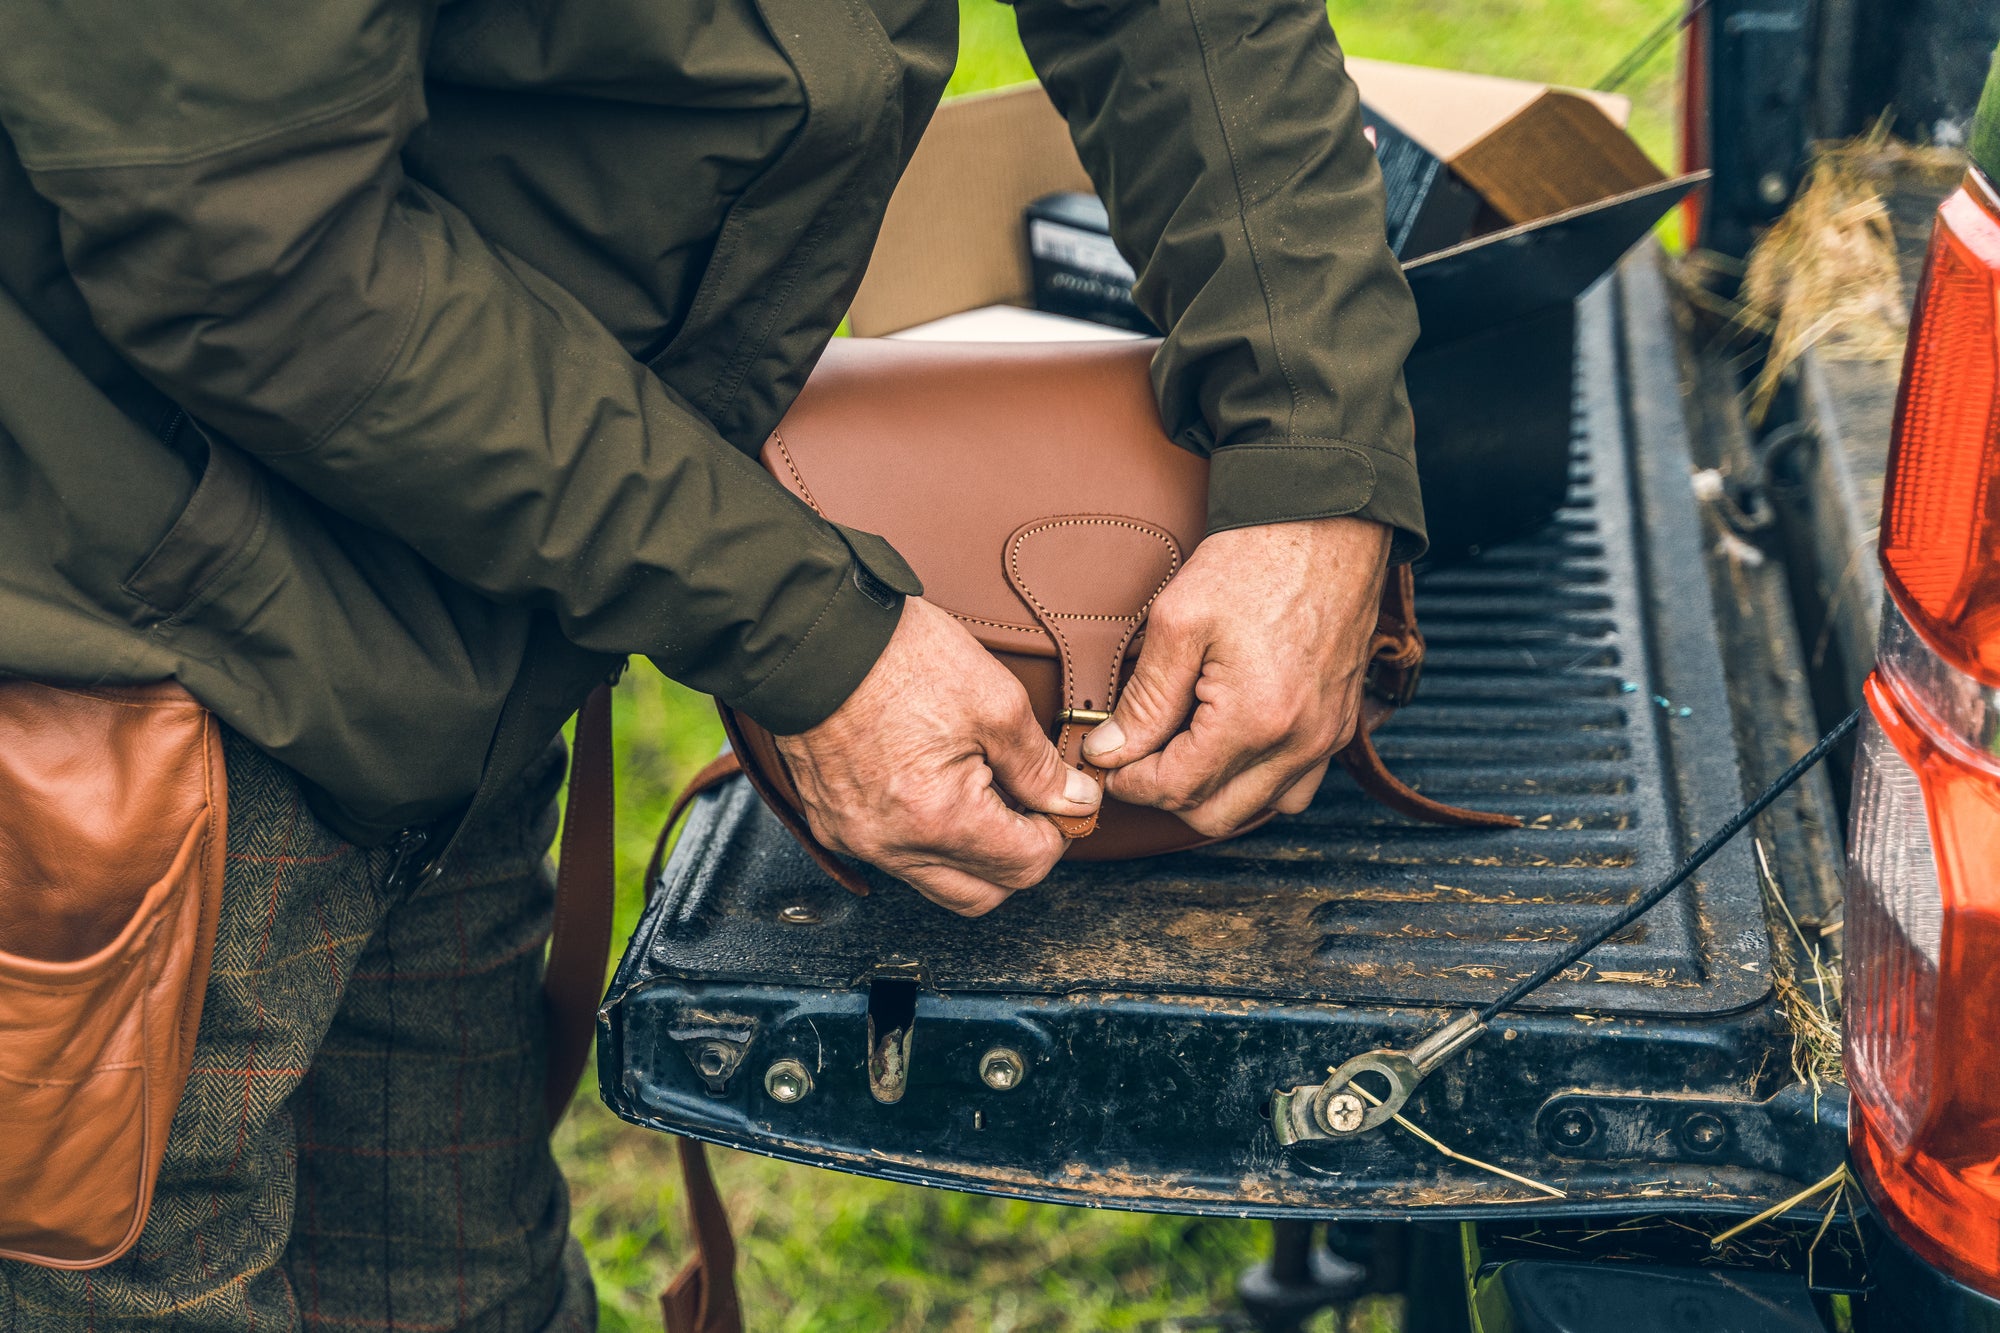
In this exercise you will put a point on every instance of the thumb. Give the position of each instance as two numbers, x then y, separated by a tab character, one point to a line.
1155	703
1029	769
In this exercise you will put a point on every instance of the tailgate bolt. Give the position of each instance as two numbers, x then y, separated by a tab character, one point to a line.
1344	1112
1001	1069
787	1081
1573	1127
1704	1133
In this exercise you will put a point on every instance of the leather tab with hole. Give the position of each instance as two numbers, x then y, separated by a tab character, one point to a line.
1089	580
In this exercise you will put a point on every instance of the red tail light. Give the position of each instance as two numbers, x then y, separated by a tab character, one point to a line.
1941	505
1923	895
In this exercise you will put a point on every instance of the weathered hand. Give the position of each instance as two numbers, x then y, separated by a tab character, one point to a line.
1250	673
909	773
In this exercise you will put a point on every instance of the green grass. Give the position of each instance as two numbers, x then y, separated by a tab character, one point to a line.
821	1251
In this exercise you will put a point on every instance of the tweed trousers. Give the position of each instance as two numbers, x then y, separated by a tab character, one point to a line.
362	1143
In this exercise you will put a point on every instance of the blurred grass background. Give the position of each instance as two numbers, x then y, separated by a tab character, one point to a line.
823	1251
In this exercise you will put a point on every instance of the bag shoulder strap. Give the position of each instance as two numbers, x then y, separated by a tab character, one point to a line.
702	1297
1395	664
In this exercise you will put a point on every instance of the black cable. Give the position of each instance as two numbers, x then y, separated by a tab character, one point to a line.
1646	48
1646	901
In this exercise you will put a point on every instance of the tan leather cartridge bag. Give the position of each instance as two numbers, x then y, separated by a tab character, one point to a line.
1033	490
113	813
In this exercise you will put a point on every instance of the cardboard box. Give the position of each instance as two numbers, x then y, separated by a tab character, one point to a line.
1490	378
1528	150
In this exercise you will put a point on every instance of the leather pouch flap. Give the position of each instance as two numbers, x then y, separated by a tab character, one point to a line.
976	440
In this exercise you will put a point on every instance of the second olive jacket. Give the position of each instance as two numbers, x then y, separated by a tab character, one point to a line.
388	370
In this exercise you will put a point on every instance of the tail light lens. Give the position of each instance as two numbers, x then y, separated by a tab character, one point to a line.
1923	957
1923	885
1940	539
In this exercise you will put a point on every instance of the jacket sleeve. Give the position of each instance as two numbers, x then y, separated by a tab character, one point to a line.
235	212
1225	137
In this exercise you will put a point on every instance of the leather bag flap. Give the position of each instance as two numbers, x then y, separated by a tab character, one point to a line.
980	439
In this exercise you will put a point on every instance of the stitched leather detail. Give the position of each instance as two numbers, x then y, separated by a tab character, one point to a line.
1090	580
1047	614
1035	630
799	487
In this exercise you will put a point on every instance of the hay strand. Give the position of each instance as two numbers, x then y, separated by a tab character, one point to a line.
1825	275
1838	1176
1457	1156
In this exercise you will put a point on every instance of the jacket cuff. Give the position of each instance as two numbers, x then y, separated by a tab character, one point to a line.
1252	484
842	644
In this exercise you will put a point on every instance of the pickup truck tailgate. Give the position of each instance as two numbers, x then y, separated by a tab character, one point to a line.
1574	679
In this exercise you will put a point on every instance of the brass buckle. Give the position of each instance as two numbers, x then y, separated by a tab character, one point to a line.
1082	717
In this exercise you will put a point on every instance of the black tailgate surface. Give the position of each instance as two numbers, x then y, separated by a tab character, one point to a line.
1573	679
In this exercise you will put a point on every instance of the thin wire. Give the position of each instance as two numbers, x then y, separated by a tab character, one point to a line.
1648	45
1650	899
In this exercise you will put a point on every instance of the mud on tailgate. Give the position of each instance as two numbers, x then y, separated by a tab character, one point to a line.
1574	679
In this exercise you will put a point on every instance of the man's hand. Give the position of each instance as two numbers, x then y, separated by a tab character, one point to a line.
925	769
1250	674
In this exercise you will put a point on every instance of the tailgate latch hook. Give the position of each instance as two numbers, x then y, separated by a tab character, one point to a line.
1341	1106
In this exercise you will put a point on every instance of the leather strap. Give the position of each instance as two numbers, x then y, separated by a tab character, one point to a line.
1395	661
712	775
1092	624
702	1297
1370	774
573	981
772	780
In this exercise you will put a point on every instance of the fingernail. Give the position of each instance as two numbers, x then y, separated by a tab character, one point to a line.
1105	738
1079	788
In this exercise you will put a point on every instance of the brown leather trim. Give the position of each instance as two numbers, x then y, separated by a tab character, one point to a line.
1365	766
113	838
702	1296
580	943
712	775
765	767
702	1299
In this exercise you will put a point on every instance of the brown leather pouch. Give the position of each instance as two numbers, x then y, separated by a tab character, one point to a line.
113	813
1032	489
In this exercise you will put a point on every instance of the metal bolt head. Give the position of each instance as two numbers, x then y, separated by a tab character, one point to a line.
1573	1127
712	1059
1002	1069
787	1081
798	914
1344	1112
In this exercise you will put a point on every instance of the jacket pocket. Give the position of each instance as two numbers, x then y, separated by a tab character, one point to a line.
222	523
113	828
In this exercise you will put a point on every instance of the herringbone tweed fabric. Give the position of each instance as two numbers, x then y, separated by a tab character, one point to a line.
362	1143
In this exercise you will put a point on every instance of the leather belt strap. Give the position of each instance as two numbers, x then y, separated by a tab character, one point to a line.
573	982
702	1297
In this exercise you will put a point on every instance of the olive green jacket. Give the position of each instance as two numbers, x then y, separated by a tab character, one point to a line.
388	370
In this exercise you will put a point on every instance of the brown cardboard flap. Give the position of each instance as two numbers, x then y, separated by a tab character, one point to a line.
953	239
